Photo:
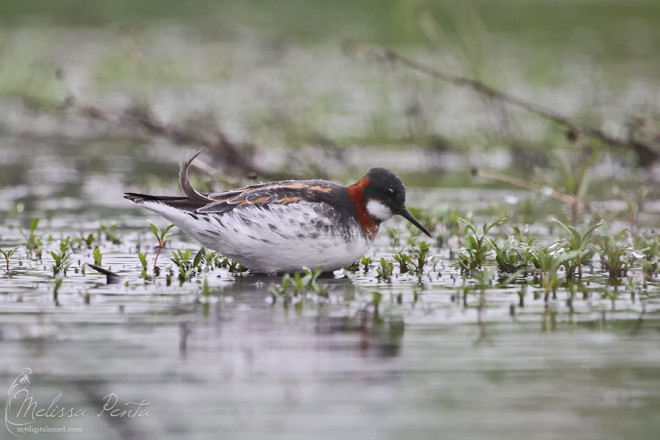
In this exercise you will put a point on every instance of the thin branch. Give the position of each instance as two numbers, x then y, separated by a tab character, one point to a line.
541	189
215	141
645	152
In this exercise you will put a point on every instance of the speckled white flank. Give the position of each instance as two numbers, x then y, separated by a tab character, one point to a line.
377	210
282	238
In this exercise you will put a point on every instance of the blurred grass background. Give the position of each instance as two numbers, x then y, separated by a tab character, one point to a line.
282	76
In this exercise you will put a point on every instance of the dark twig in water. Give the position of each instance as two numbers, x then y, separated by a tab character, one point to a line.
112	277
645	152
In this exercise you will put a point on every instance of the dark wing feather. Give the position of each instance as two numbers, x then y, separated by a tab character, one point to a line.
282	193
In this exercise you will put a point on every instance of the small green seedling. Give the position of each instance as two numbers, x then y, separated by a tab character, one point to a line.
231	265
98	257
33	242
186	267
162	234
85	241
420	256
547	261
110	233
615	255
366	262
301	284
405	264
142	256
8	255
385	270
62	258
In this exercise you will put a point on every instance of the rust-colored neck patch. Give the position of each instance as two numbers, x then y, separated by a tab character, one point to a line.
356	193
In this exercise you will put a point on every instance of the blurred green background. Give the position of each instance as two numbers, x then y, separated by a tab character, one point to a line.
292	76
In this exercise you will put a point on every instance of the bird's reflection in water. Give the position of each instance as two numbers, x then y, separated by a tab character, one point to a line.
378	335
253	314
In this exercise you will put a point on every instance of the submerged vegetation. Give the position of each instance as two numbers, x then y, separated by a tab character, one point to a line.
473	257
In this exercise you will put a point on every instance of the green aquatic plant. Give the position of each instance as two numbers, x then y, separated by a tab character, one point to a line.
281	289
232	266
366	262
420	256
161	234
142	256
187	267
385	270
475	245
33	242
62	258
547	260
580	245
98	257
403	259
353	267
85	241
7	255
649	247
511	255
301	284
111	233
616	256
211	259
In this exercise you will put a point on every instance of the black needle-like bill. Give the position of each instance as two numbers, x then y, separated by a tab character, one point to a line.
403	212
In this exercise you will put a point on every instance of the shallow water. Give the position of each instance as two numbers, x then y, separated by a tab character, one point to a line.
244	366
242	363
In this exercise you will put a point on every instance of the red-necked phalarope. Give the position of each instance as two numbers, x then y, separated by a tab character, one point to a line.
287	225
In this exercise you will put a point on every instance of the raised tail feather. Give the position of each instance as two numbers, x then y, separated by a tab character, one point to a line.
193	200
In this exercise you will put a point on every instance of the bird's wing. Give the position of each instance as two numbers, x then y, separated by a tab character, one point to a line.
281	193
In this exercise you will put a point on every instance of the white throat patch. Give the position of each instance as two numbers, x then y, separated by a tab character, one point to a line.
378	210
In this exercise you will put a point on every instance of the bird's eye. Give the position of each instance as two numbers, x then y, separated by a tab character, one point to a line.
390	190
